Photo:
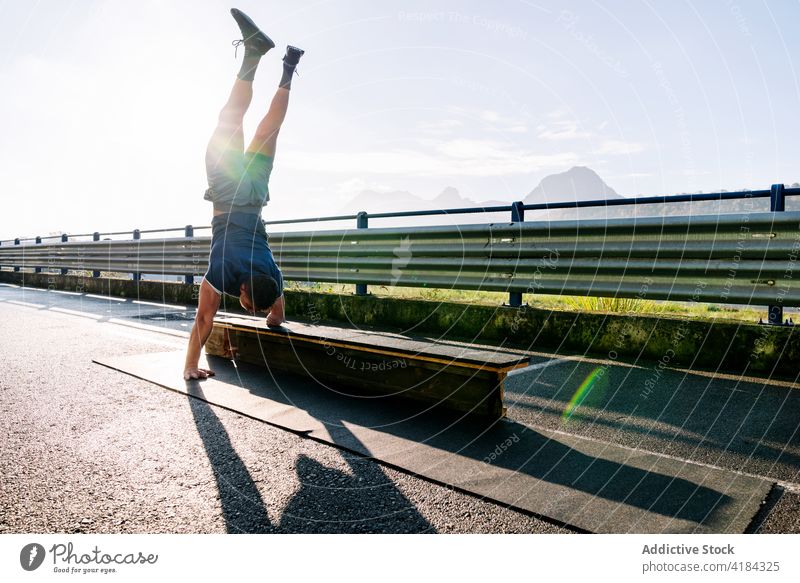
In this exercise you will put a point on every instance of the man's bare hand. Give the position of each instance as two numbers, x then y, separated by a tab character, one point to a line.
197	373
277	314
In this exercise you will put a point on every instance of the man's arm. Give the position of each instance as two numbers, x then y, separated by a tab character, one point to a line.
207	306
277	315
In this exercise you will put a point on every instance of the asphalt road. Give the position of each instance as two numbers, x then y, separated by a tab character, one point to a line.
87	449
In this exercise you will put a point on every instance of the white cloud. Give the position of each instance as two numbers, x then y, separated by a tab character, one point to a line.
467	149
481	119
521	129
559	113
462	157
347	188
619	147
628	175
492	120
562	130
440	126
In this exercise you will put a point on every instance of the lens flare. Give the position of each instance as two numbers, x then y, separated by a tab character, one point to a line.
595	380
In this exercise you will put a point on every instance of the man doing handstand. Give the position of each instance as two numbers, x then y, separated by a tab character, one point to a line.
241	262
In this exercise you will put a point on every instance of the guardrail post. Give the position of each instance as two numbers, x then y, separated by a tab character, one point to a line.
777	204
16	242
38	242
188	233
362	220
64	239
777	198
95	237
517	216
136	236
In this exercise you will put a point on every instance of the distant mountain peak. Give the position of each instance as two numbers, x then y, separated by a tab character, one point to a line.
374	201
450	197
449	192
577	183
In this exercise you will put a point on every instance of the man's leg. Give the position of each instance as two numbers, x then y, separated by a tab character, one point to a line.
266	136
228	134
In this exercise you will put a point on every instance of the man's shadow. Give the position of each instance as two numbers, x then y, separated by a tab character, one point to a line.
365	501
242	506
329	500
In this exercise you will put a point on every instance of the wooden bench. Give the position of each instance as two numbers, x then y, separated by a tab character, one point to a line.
456	376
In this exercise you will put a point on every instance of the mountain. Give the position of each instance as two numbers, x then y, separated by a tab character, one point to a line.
450	198
384	202
401	200
577	183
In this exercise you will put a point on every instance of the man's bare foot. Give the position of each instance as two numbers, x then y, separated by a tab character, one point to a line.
197	373
275	323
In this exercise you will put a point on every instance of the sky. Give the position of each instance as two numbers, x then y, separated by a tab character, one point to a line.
107	105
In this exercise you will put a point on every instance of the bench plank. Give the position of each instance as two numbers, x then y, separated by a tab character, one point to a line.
453	375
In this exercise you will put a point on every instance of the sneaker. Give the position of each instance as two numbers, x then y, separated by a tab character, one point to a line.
293	55
252	38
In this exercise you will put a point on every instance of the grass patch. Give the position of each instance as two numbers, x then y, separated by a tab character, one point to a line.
629	306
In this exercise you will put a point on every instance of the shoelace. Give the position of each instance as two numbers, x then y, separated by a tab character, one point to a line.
237	43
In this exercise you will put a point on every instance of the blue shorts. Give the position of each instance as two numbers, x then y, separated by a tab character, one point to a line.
238	179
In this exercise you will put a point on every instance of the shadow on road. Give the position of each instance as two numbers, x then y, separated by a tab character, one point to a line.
533	454
242	506
757	420
366	501
328	501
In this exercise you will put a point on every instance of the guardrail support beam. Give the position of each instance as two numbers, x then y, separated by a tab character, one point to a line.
38	242
777	204
517	216
137	235
188	232
64	239
362	221
95	237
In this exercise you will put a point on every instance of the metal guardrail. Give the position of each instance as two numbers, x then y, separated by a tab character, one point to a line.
729	258
736	259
